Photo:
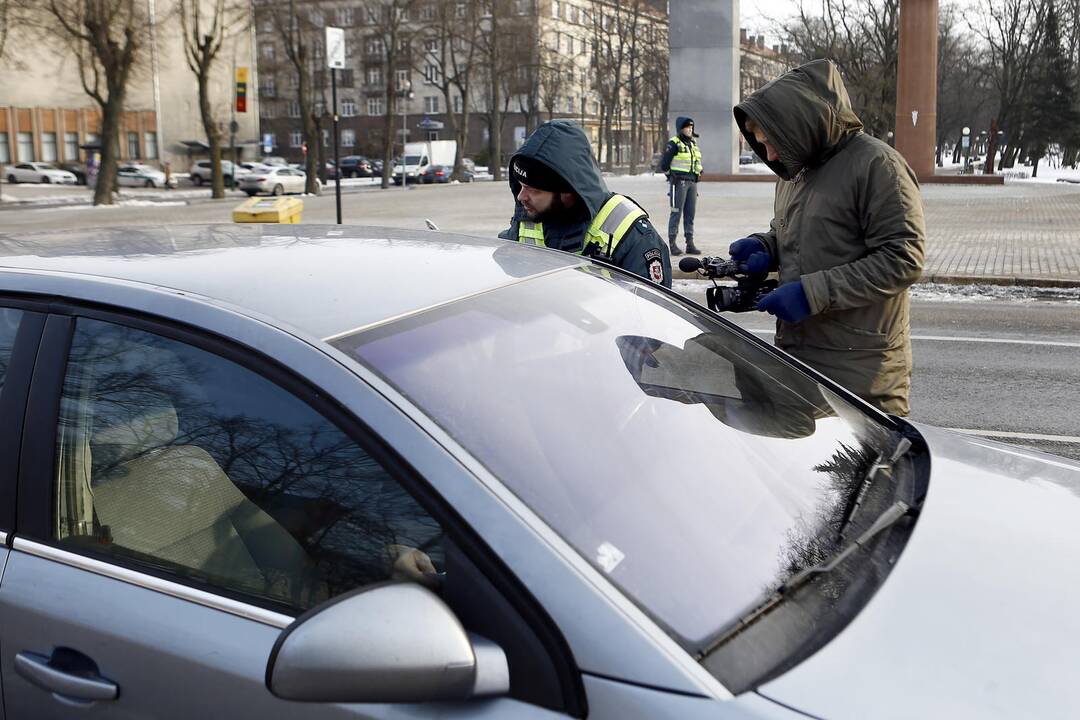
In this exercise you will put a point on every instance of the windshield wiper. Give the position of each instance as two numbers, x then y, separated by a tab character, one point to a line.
881	463
892	515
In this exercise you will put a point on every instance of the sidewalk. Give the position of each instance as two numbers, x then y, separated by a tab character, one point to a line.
1022	233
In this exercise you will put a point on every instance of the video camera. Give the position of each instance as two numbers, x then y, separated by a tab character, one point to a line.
748	290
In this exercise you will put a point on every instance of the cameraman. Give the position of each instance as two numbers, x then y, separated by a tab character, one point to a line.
847	235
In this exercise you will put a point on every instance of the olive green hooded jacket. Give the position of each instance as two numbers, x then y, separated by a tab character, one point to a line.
847	222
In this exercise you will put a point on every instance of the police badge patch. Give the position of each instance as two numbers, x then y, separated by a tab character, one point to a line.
653	258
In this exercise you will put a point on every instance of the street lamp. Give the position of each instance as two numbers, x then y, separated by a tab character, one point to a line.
965	143
406	94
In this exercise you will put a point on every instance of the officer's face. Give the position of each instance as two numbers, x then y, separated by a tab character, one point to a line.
540	204
688	130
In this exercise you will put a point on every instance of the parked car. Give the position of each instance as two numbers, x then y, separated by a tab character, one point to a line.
38	172
256	459
273	160
443	174
276	180
254	166
748	159
353	166
138	175
77	169
201	172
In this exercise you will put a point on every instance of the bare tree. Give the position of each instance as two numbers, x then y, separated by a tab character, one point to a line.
388	45
963	91
1012	32
498	45
451	54
862	37
608	62
106	37
205	26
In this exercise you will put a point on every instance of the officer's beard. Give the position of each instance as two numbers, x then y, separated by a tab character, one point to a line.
562	213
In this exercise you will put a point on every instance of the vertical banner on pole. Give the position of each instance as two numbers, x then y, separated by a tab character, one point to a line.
335	60
241	89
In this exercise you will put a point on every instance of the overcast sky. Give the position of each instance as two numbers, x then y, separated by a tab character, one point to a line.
755	15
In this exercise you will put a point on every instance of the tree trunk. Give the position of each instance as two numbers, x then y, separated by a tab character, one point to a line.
110	126
1035	166
213	138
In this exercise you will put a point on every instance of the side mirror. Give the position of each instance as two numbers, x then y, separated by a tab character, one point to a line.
383	644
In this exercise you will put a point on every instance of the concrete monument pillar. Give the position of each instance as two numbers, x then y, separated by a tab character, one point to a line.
916	85
704	69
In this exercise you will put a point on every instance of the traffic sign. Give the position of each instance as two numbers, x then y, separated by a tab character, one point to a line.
335	48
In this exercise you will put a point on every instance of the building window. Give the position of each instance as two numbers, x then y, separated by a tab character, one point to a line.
294	109
71	146
296	139
401	79
269	88
348	138
374	76
374	46
318	19
5	154
268	25
26	147
320	108
556	9
48	146
427	12
267	110
375	106
432	73
572	15
431	45
150	143
133	145
459	10
268	51
348	107
345	16
431	103
345	78
457	104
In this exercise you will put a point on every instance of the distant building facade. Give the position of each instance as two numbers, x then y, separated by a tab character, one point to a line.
45	115
555	56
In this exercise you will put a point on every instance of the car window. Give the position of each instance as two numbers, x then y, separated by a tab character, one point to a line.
687	463
188	464
9	325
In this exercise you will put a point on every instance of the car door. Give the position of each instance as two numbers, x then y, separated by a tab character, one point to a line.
180	502
25	172
127	176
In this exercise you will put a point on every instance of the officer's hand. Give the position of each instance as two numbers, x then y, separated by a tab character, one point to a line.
787	302
410	564
757	264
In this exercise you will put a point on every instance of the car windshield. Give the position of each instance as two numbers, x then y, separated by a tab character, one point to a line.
412	159
694	467
44	166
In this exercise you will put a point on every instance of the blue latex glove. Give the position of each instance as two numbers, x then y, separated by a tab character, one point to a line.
787	302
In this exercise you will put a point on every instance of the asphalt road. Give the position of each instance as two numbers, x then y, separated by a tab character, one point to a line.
1002	367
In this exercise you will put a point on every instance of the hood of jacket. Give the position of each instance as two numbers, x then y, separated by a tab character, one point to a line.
806	115
563	147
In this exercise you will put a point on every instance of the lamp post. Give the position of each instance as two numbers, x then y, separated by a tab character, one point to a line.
965	143
406	94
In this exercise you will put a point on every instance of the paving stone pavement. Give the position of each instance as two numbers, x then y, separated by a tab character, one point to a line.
1020	233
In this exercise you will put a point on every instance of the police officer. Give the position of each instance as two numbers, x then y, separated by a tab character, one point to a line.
682	165
562	202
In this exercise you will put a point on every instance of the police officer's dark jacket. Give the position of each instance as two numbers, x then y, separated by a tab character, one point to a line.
563	147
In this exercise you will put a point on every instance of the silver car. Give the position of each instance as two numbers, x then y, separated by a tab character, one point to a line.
276	180
340	472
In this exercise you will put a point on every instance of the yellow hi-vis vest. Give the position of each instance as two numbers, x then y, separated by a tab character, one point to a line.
688	159
604	233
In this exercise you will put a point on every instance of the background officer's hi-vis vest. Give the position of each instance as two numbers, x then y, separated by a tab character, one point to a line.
606	230
688	159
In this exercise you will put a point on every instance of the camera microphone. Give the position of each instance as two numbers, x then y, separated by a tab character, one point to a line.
690	264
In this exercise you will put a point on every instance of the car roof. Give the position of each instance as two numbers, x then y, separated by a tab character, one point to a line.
323	280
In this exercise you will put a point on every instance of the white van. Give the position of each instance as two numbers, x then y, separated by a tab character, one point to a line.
419	155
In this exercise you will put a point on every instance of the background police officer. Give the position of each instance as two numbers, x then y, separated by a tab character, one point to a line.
682	165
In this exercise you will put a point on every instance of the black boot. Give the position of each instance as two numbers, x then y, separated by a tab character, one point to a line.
691	249
674	248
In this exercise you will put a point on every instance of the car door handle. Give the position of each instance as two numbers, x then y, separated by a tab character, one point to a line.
67	673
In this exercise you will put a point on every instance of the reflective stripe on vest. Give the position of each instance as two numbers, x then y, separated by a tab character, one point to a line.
688	159
531	233
606	230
